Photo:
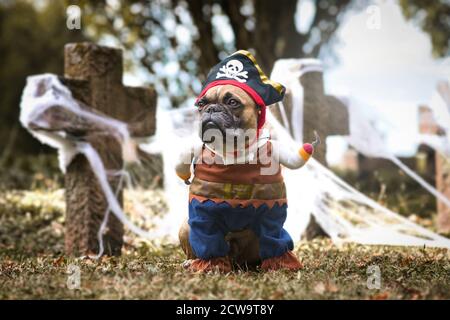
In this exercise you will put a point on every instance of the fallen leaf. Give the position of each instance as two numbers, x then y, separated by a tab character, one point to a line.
57	262
331	287
380	296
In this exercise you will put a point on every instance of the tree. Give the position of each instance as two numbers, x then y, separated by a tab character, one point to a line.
32	42
434	18
190	36
177	41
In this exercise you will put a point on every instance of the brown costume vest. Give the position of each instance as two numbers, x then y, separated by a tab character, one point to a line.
237	184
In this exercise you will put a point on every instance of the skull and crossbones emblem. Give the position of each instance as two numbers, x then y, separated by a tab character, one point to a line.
233	69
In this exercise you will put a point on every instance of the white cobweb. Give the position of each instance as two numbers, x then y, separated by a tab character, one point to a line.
343	212
44	93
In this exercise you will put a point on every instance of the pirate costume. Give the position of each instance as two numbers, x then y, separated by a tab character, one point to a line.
227	196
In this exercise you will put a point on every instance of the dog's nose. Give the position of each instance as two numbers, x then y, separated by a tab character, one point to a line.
212	108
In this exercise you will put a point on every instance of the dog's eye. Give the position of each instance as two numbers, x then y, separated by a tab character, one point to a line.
201	104
233	102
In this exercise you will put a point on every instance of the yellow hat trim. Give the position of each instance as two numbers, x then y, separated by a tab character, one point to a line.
262	75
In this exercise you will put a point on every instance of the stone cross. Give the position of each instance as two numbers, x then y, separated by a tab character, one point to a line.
93	73
325	114
428	125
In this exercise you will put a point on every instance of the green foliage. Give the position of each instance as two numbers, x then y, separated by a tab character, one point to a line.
186	36
32	42
434	18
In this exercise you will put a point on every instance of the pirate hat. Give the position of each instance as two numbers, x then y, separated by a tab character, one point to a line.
241	69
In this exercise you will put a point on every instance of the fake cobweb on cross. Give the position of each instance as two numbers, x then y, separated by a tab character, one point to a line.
343	212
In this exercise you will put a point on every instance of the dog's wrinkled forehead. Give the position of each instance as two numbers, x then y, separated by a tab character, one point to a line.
220	93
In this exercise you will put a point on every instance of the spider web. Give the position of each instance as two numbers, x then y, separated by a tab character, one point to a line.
343	212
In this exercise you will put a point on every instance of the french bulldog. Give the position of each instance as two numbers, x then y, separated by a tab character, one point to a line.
237	197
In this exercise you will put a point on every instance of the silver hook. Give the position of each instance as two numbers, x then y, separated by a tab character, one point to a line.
316	141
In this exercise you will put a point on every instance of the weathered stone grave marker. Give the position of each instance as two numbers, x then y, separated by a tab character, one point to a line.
325	114
428	125
94	75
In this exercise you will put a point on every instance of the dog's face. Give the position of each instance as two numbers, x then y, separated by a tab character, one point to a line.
228	109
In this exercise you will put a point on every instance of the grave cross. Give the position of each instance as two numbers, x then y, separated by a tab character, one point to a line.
324	113
428	125
93	73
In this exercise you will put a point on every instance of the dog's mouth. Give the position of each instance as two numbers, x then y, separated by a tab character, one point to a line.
211	131
216	123
210	125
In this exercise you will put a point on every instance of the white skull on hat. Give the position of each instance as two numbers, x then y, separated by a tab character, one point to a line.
233	70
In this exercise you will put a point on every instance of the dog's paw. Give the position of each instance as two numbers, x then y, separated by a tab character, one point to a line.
287	261
221	264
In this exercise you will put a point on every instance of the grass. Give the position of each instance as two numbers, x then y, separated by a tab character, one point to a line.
32	265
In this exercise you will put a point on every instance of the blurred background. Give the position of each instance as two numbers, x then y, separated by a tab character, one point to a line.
390	55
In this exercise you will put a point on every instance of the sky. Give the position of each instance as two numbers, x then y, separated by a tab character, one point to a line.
389	69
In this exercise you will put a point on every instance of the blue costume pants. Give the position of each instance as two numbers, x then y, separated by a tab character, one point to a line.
210	222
